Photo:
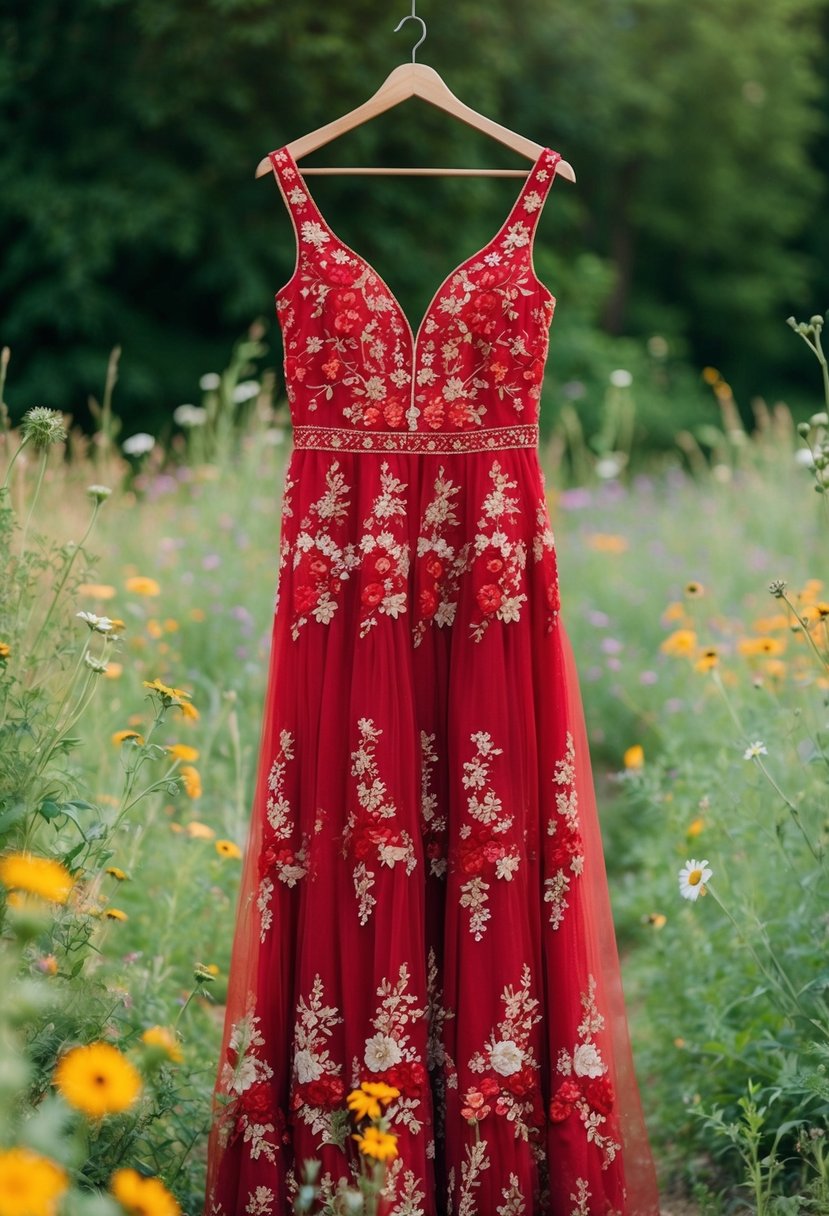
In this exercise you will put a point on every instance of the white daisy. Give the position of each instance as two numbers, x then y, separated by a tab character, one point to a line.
100	624
691	878
754	750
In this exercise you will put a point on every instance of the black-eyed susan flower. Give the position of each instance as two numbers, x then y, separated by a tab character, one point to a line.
98	1080
192	781
226	848
140	585
692	878
140	1196
40	876
657	919
164	1042
30	1184
708	659
694	589
382	1146
115	914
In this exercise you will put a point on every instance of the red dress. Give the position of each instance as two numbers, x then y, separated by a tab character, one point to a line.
424	899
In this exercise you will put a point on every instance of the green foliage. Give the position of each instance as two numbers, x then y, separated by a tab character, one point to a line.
694	129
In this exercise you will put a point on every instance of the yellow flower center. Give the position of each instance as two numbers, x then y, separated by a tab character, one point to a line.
694	877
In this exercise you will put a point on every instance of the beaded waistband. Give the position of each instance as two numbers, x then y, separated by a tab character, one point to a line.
483	439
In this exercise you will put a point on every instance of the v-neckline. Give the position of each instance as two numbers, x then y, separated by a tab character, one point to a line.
414	336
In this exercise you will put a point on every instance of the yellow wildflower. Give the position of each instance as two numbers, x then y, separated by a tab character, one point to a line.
634	757
695	826
189	712
708	659
30	1184
172	694
113	670
213	969
226	848
192	781
171	625
116	872
97	591
363	1105
140	1196
374	1143
142	586
154	628
115	914
680	642
121	736
775	668
181	751
380	1091
657	919
822	609
674	612
197	614
607	542
40	876
5	651
165	1040
198	831
98	1080
694	589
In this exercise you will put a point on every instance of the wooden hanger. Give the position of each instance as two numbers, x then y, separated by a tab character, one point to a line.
415	80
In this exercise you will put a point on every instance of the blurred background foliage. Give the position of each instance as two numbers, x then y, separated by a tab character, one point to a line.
129	213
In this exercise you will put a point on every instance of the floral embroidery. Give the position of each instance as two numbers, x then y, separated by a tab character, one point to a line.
389	1054
320	565
471	1169
587	1088
249	1098
370	830
433	825
513	1204
411	1197
276	856
498	560
385	562
482	340
544	551
510	1070
317	1089
565	850
286	512
260	1202
581	1198
480	850
439	564
345	439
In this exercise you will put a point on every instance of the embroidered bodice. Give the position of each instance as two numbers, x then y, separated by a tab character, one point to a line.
476	361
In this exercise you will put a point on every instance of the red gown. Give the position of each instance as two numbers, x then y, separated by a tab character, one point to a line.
424	898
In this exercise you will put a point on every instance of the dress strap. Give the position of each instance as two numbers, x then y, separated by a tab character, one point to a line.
530	202
299	202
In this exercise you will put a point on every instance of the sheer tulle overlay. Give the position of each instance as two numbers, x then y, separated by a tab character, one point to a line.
424	898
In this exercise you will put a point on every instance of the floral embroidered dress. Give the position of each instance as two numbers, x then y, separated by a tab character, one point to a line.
424	899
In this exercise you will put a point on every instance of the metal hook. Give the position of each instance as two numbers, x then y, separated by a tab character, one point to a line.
409	17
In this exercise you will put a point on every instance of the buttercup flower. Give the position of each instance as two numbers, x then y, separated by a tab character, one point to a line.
98	1080
692	877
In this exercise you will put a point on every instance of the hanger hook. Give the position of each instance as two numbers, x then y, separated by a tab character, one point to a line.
410	16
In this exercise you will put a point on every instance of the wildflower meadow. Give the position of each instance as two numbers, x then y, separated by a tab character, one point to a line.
138	577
